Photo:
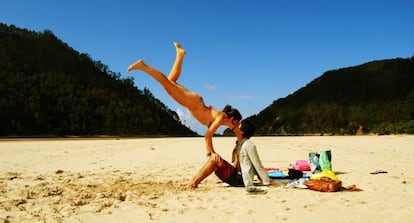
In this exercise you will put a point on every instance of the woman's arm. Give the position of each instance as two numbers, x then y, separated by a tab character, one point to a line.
211	131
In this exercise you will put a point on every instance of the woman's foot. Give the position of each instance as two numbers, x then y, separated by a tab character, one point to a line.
189	185
137	65
179	49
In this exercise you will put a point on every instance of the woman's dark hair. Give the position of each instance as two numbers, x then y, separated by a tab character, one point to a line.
232	113
247	128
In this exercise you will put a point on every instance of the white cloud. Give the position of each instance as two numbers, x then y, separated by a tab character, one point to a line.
210	86
242	96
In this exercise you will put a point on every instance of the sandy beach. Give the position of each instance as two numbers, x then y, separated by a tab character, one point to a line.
140	180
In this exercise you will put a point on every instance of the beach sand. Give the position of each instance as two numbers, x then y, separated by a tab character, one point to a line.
140	180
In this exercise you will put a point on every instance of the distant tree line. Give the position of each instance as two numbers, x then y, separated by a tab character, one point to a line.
48	88
376	97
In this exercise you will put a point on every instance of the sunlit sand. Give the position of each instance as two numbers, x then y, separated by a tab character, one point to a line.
140	180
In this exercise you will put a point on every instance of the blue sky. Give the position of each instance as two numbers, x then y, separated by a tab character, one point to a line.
243	53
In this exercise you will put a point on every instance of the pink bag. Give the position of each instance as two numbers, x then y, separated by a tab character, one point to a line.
302	165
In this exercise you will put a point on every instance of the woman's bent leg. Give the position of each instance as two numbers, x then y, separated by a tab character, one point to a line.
205	171
176	69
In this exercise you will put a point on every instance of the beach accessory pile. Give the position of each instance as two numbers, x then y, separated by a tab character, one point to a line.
323	178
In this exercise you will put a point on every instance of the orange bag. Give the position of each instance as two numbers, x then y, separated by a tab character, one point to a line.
325	184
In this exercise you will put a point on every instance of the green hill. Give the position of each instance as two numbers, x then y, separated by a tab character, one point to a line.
376	97
49	89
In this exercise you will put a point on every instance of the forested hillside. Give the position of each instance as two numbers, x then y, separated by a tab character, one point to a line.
376	97
49	89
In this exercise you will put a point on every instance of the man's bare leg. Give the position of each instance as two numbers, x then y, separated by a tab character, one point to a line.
176	69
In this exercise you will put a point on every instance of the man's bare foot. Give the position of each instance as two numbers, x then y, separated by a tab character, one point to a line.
179	49
137	65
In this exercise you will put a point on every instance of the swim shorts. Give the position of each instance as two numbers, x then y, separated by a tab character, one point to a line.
227	173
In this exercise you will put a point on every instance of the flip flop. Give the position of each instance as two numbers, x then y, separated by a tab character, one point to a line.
379	171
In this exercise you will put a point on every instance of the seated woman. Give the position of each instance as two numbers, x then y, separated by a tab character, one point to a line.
206	115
